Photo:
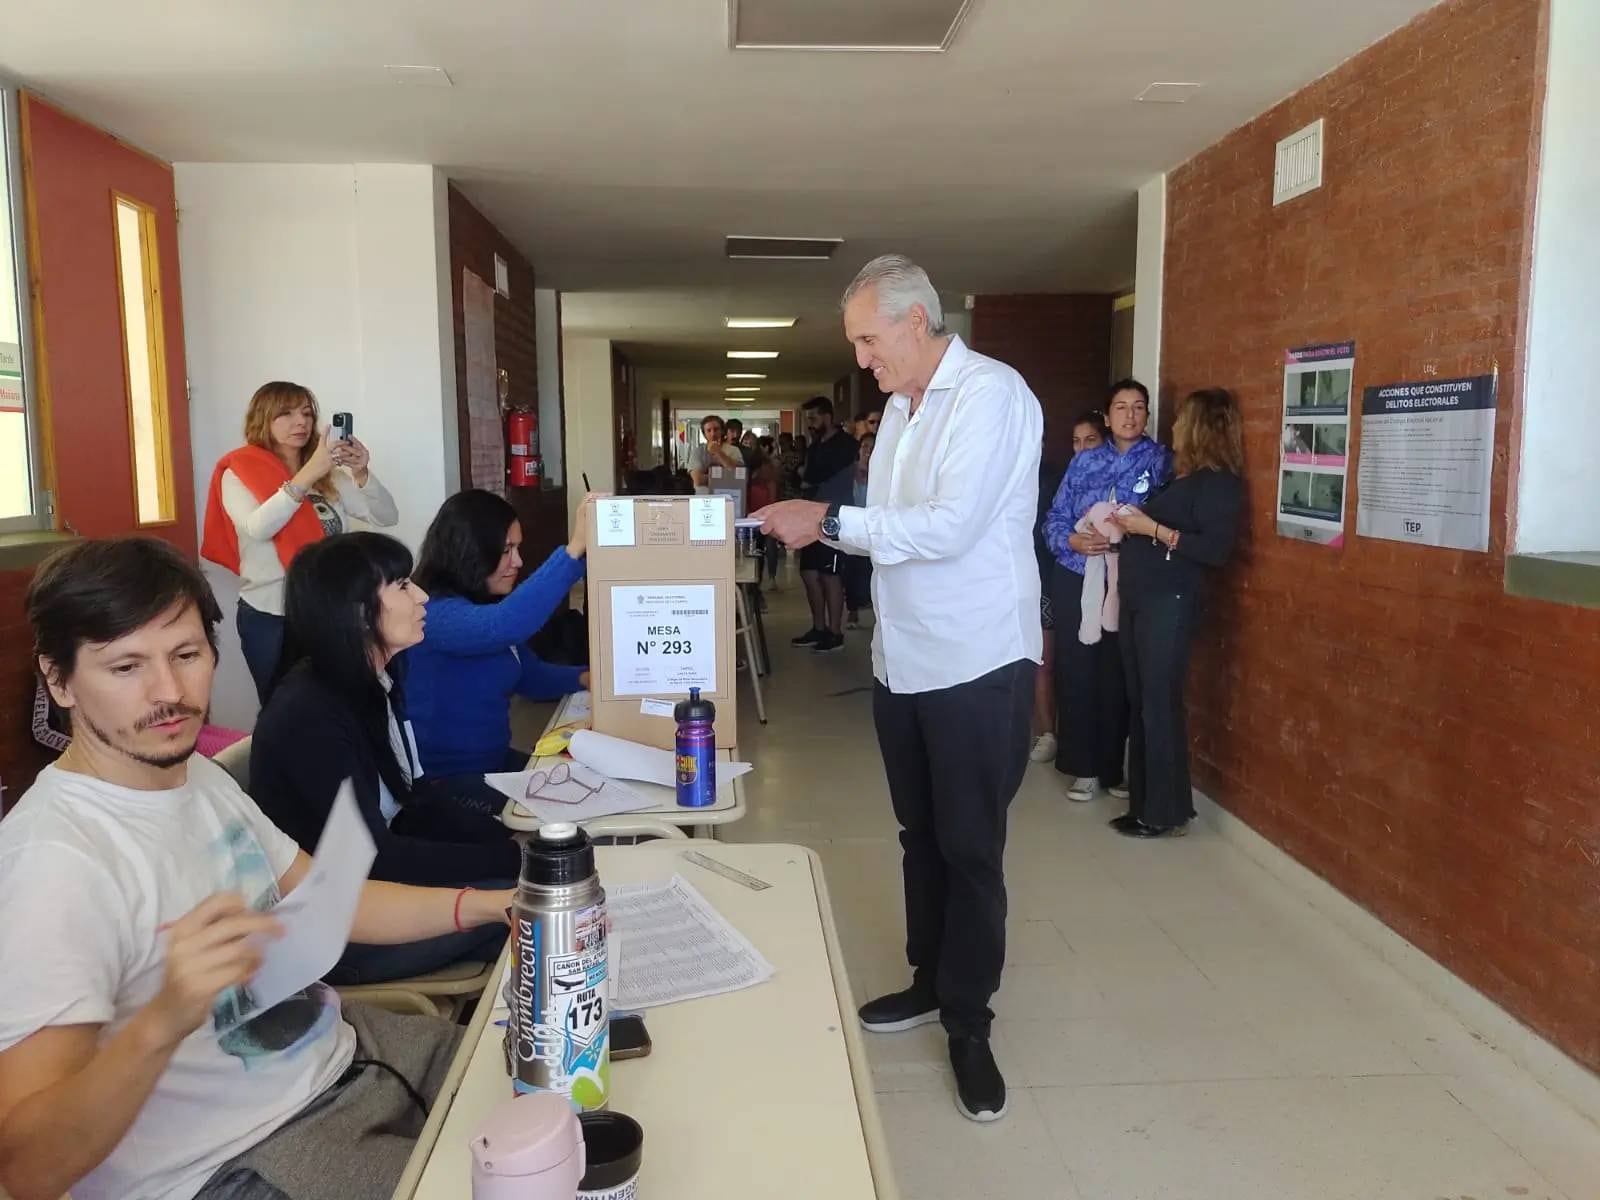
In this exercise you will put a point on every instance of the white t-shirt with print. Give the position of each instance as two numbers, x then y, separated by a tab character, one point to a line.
88	871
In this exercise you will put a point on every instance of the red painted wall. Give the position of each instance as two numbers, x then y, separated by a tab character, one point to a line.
1385	712
72	170
1062	346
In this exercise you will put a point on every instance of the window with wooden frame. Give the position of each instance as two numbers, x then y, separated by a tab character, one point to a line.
144	347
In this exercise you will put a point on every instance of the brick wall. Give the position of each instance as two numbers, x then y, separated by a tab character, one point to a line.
1062	346
20	756
474	241
1386	713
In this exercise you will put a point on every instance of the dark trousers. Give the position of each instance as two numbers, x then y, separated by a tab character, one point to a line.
1156	631
261	639
955	758
1091	694
857	582
361	963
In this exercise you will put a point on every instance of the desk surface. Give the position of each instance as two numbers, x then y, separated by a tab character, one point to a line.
730	805
768	1084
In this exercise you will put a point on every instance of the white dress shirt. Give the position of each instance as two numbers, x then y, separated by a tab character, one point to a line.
952	496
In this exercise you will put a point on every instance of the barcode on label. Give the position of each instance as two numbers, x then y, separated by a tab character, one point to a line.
691	612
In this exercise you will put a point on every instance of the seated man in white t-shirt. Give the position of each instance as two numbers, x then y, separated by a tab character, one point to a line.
136	883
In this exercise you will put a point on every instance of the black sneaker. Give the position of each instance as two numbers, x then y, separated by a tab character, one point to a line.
899	1011
809	638
828	643
980	1088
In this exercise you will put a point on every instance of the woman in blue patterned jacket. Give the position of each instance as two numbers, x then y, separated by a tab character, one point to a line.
1091	693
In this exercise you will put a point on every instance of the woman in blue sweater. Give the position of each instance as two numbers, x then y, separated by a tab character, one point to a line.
460	680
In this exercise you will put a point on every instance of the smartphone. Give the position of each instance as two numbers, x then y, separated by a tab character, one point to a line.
343	427
629	1038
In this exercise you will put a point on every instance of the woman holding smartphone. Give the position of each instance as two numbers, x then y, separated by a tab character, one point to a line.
289	485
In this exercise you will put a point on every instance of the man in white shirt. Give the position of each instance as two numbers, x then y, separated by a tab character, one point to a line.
136	883
948	524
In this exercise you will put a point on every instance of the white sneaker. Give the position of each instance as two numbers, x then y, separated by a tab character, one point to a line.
1044	748
1121	791
1083	789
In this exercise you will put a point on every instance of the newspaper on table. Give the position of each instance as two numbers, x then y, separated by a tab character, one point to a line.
679	947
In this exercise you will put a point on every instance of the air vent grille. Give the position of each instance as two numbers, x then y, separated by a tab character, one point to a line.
800	249
1299	164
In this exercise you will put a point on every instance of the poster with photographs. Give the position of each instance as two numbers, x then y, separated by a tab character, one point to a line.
1313	459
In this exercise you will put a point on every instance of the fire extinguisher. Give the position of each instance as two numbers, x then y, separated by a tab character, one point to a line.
524	466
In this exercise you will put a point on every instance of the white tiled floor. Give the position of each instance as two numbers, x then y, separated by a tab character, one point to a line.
1174	1023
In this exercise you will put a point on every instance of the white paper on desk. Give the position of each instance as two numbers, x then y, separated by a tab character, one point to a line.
585	795
622	759
316	917
679	947
579	707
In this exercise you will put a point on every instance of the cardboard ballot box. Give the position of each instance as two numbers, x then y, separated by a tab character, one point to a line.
661	613
732	482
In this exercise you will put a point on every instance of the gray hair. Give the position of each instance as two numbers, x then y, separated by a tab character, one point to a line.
901	284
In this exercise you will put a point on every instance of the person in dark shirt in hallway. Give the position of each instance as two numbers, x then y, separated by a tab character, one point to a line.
1188	524
828	476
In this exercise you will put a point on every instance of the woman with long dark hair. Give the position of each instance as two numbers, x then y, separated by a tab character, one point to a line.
476	657
289	485
1186	527
337	711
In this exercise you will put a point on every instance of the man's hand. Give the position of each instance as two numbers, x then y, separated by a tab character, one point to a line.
210	949
1091	543
795	523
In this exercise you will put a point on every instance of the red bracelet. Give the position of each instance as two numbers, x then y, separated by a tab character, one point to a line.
461	895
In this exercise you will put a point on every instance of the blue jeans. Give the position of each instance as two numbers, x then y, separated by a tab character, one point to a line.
362	963
261	639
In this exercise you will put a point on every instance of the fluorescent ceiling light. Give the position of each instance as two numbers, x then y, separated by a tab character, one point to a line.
759	322
752	354
742	389
744	375
738	399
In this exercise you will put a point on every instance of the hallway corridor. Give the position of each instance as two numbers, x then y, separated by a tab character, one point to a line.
1175	1023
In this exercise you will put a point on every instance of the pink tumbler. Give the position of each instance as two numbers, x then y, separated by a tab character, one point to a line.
530	1148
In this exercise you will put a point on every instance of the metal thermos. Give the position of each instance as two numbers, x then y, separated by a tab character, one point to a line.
558	1033
697	751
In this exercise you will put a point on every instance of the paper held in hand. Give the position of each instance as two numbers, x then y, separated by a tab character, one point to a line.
316	917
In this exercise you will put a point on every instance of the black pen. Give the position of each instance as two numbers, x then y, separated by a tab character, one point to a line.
586	486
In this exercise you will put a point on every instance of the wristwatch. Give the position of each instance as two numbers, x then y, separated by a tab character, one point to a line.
830	522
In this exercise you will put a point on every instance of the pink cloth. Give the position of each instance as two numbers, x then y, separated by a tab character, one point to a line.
214	738
1100	602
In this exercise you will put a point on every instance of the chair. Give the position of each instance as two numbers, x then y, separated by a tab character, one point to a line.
235	760
444	992
612	830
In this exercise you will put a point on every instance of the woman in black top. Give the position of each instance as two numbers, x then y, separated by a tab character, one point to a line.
336	712
1186	526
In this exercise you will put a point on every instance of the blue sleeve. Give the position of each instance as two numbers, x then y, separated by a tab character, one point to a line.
546	681
460	627
1059	521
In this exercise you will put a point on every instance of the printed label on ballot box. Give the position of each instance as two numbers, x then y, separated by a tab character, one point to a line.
663	638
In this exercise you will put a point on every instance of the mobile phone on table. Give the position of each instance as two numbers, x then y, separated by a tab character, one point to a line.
343	427
629	1038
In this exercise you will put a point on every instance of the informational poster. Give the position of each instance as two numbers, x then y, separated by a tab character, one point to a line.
663	638
1427	449
486	438
1316	442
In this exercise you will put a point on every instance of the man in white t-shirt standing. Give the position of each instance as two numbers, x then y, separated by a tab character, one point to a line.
136	883
948	524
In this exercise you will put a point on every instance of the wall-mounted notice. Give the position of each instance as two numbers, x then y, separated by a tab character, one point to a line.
1427	449
1316	442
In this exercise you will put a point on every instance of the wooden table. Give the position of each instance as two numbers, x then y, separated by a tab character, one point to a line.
730	805
761	1092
